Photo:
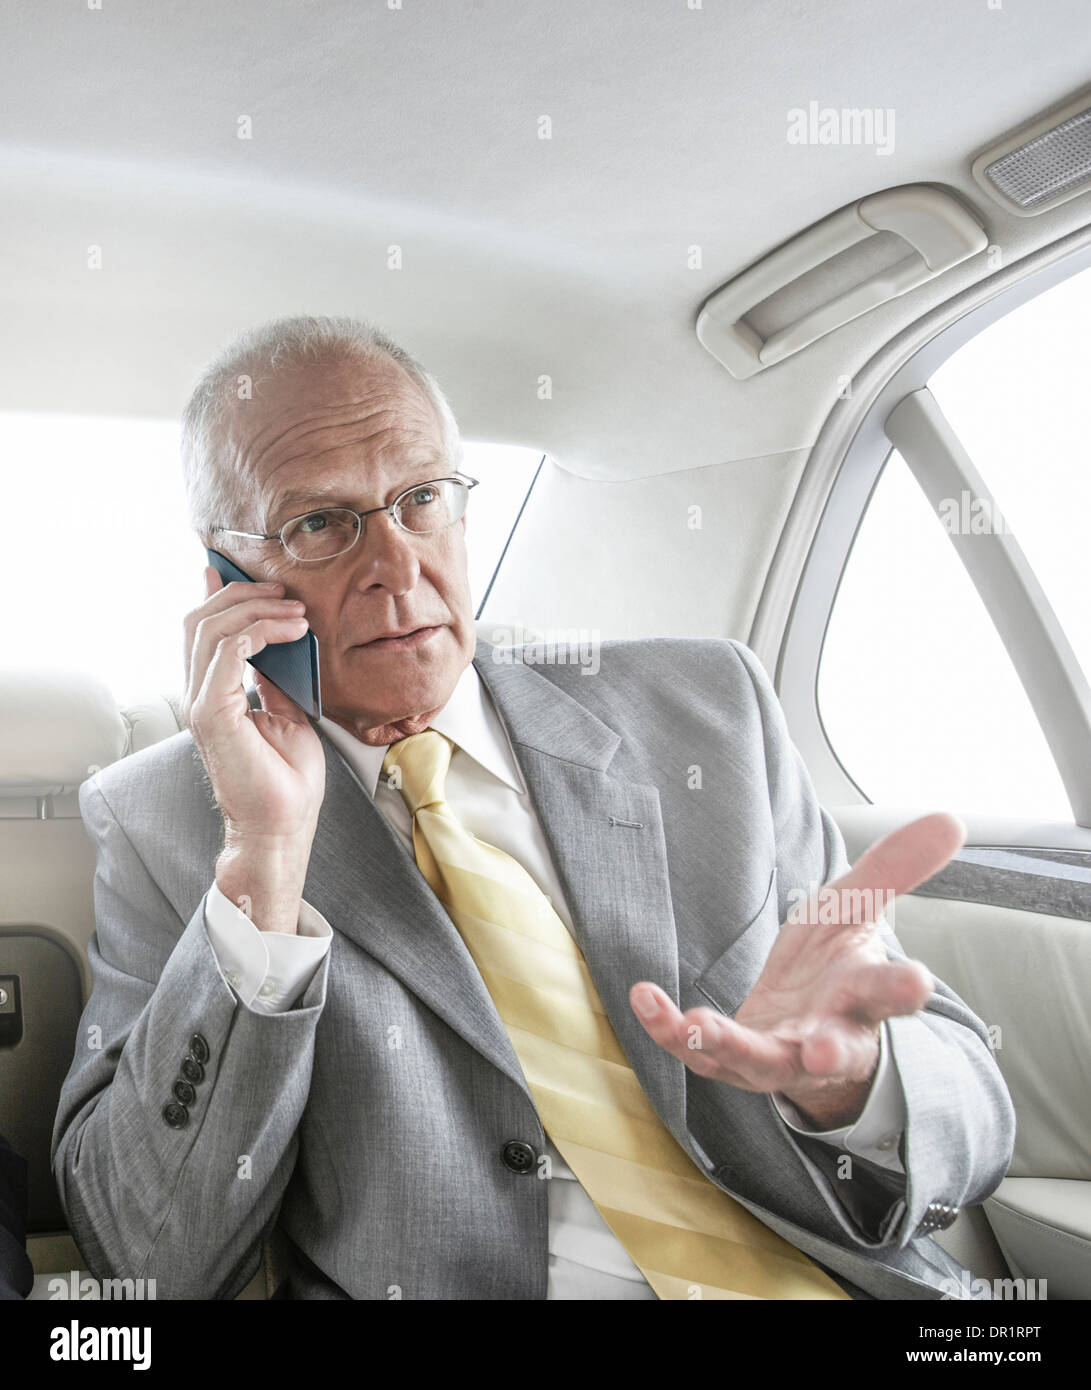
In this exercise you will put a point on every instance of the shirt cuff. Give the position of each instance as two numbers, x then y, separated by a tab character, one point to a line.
269	971
876	1135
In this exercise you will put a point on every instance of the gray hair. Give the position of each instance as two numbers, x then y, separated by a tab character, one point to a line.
212	488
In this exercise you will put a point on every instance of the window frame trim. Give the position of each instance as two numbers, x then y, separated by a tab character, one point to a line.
789	629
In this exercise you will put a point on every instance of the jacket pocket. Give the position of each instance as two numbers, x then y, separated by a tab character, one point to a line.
731	976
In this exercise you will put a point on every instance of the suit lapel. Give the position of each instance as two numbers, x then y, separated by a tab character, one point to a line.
605	835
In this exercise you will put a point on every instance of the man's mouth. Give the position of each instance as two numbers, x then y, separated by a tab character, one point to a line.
399	639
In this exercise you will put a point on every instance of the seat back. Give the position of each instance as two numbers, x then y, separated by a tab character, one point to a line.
56	729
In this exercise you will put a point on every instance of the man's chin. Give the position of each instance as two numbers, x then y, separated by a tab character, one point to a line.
421	677
387	727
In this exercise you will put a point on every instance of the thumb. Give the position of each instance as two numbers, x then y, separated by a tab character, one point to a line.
900	861
911	854
274	700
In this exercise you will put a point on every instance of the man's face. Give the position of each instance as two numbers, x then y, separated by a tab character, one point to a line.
356	435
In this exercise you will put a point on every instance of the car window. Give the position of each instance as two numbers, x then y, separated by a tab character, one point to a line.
916	692
98	538
949	721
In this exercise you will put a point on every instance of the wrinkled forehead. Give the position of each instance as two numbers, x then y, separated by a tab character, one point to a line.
330	412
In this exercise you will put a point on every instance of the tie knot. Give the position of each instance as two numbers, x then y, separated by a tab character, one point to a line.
418	766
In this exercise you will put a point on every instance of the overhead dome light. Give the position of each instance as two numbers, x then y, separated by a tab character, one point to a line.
1043	164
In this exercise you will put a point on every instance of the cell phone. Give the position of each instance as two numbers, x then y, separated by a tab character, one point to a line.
291	666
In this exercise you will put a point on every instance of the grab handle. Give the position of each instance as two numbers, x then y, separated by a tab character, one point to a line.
939	231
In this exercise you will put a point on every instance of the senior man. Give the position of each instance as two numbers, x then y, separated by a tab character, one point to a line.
464	985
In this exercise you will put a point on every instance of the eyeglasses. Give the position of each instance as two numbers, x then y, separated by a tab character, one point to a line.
321	535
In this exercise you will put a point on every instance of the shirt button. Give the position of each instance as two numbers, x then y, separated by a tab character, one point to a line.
887	1141
267	990
233	979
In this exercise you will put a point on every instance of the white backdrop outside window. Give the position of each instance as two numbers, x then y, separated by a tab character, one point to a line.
100	566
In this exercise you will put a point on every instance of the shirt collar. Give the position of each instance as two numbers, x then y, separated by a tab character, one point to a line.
469	718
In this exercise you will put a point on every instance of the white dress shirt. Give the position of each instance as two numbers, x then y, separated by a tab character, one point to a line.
269	971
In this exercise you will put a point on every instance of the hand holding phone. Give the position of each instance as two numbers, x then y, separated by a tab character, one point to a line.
291	666
266	766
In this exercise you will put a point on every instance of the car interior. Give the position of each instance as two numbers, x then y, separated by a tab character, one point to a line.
723	267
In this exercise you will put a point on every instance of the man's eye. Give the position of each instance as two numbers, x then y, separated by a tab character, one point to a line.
316	521
421	496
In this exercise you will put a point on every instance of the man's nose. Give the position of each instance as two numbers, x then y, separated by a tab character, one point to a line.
385	556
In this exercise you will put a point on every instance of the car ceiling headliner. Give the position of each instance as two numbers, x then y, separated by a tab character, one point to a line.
522	257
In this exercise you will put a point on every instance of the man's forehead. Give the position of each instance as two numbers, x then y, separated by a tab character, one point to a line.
349	476
303	422
331	390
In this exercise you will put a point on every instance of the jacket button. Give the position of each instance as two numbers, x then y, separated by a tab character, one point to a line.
177	1116
198	1049
519	1157
184	1093
192	1070
937	1217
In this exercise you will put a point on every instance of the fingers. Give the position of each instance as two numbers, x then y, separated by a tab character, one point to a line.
896	864
213	582
839	1047
909	855
232	650
222	598
227	612
711	1044
274	700
873	991
839	1056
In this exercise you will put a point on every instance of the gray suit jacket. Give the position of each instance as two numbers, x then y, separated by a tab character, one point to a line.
384	1164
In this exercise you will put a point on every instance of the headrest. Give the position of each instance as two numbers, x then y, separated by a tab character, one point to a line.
151	719
56	729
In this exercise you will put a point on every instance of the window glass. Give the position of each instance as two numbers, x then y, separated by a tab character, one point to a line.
916	692
100	565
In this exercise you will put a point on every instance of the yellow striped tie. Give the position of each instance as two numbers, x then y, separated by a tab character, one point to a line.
687	1236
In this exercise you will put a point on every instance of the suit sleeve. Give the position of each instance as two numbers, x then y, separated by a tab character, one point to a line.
176	1130
959	1121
